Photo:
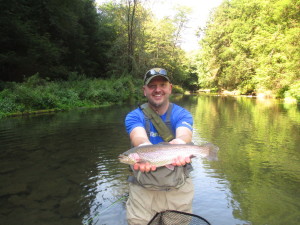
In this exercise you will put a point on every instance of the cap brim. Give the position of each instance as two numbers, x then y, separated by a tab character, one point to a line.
158	75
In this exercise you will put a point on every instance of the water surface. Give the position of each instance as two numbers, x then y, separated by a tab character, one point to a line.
62	168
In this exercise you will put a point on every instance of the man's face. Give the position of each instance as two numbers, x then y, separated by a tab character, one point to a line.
158	91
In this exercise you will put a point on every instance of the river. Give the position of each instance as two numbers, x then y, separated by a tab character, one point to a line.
62	168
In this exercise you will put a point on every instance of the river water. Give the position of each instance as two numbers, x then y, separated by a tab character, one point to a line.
62	168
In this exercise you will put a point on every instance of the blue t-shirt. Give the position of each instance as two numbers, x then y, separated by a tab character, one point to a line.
180	117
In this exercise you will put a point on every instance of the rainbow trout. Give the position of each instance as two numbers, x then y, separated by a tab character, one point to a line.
163	154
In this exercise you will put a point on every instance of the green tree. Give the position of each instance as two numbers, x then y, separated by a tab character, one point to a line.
51	37
252	45
145	41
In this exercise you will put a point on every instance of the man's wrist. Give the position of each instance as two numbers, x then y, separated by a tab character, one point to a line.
177	141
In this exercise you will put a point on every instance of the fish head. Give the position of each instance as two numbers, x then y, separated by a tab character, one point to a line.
130	159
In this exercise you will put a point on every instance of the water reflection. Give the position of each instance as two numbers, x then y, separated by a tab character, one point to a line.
53	170
258	159
63	169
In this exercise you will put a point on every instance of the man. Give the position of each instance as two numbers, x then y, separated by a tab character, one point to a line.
154	189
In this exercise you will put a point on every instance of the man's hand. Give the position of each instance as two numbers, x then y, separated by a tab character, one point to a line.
147	167
144	167
181	161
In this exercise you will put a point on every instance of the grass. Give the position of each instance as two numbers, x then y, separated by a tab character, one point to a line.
38	95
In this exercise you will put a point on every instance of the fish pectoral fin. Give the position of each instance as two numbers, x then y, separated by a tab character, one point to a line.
170	167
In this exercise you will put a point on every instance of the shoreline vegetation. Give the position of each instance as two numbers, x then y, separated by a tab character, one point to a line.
79	54
262	95
39	96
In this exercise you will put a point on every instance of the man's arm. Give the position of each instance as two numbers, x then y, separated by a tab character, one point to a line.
138	136
183	136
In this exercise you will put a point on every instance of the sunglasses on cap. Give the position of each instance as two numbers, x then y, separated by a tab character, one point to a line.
155	72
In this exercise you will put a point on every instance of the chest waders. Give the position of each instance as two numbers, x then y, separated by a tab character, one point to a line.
162	178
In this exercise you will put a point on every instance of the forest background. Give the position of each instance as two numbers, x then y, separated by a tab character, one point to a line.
74	53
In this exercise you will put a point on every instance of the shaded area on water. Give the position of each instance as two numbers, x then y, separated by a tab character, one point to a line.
52	166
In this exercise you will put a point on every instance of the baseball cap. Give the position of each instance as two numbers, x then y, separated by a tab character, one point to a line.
155	72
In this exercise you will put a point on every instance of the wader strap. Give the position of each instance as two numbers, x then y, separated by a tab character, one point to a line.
147	125
168	117
163	129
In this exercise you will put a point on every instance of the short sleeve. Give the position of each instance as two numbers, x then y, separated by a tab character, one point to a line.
134	119
182	118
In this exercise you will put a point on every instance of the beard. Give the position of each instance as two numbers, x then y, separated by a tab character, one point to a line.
159	104
155	104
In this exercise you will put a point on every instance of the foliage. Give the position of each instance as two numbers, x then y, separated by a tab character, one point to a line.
78	91
252	46
153	42
177	89
162	47
52	38
293	91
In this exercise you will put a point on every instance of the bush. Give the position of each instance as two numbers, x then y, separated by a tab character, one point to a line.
177	89
293	91
79	91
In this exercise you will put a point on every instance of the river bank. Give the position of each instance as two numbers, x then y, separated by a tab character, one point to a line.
260	95
39	96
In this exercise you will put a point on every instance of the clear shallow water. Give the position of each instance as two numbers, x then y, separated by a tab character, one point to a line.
63	169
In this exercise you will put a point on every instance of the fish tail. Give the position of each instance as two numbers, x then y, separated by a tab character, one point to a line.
212	153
